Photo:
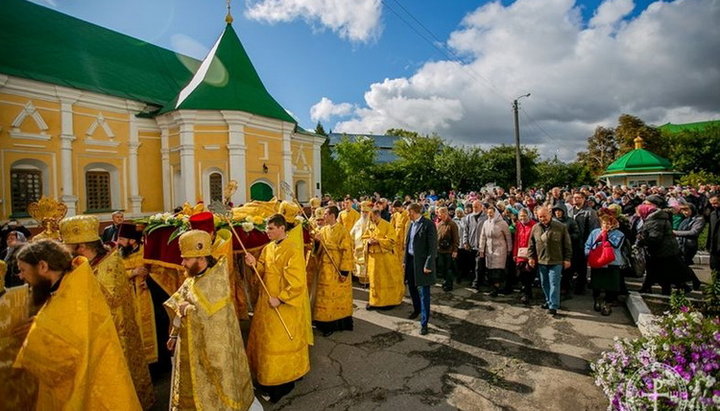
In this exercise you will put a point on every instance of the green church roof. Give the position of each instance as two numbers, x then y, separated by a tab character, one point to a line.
639	160
42	44
698	126
227	80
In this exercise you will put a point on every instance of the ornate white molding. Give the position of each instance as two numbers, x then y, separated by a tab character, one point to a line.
29	111
100	122
29	136
211	147
104	143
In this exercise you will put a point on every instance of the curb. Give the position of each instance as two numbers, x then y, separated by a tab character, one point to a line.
701	258
641	314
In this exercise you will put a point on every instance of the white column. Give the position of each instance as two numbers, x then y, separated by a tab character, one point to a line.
167	179
187	161
317	169
287	160
133	145
67	170
237	153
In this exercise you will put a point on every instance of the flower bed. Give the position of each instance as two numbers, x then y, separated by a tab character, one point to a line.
677	368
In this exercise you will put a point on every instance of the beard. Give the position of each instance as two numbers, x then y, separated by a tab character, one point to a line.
193	269
127	250
41	291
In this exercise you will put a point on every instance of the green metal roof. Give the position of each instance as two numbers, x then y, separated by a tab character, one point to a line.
639	160
698	126
42	44
227	80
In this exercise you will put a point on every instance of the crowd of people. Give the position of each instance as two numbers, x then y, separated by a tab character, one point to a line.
93	323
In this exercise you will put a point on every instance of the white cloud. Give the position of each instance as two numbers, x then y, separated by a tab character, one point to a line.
355	20
324	109
661	65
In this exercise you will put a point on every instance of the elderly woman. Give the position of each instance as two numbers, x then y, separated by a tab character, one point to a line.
525	273
687	235
495	246
606	279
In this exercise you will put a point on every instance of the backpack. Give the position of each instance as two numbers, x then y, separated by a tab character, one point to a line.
602	253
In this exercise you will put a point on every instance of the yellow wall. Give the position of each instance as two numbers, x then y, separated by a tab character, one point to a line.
150	172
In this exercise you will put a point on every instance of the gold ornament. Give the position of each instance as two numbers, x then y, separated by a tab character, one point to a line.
80	229
47	212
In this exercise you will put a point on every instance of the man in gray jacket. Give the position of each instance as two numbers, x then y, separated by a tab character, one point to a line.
471	238
550	250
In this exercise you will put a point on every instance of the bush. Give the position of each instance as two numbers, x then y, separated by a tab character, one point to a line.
677	368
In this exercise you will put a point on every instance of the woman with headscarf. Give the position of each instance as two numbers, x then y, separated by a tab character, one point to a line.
495	246
15	241
525	273
663	263
606	279
687	237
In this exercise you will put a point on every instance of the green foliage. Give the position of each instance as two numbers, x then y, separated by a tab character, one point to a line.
416	158
700	177
319	129
696	153
356	160
711	295
499	165
678	301
460	168
629	127
555	173
602	149
333	175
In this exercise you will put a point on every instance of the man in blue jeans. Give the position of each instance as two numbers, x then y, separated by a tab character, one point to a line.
550	249
421	248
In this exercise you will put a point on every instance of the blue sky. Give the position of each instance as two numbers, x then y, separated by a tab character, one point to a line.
360	66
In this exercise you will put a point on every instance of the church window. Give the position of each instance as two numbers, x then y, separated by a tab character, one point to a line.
26	187
97	184
216	187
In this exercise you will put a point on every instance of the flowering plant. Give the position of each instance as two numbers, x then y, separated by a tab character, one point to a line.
677	368
248	222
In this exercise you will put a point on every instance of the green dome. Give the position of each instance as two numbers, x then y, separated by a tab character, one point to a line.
639	160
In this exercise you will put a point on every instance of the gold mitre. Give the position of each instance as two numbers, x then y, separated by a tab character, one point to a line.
80	229
289	211
366	206
47	212
195	243
314	202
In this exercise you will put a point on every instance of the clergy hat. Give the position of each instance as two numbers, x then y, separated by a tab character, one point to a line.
203	221
195	243
80	229
129	231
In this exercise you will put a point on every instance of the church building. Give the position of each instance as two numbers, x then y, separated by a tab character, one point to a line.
103	121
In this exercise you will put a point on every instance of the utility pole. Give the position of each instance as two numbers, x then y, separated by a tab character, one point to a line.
518	181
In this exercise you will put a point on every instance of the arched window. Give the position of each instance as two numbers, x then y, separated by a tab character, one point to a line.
216	187
28	182
261	191
102	188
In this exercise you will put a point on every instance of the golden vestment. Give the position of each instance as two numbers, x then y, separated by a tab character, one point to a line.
115	286
18	388
348	218
144	311
387	283
274	358
400	222
210	367
223	247
334	299
360	250
74	351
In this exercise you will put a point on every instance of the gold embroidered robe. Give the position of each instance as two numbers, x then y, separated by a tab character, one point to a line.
223	247
348	218
144	311
210	367
18	389
387	282
334	299
74	351
400	222
110	273
360	250
274	358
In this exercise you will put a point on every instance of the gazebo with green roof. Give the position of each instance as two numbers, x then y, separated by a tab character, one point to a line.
638	167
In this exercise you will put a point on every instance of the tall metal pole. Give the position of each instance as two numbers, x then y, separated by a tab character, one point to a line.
518	181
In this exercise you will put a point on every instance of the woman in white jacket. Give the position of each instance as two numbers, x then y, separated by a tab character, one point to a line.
495	245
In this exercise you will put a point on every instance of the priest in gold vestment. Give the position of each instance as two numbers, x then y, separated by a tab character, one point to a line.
18	388
357	233
348	216
80	234
334	300
276	360
129	242
72	347
387	283
400	222
210	367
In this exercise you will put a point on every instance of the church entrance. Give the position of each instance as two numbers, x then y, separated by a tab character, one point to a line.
261	191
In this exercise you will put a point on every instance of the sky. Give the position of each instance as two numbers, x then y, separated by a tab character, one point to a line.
454	67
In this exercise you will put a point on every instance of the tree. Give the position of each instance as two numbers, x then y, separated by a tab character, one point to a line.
630	127
332	176
416	157
694	151
602	149
499	165
555	173
319	129
356	159
460	168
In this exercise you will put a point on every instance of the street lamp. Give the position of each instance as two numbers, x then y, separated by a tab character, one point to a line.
518	182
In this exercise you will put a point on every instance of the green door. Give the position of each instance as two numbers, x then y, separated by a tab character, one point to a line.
261	192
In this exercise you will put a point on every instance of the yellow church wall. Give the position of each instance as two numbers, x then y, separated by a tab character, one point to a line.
264	151
46	161
84	118
211	154
118	185
150	172
11	106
